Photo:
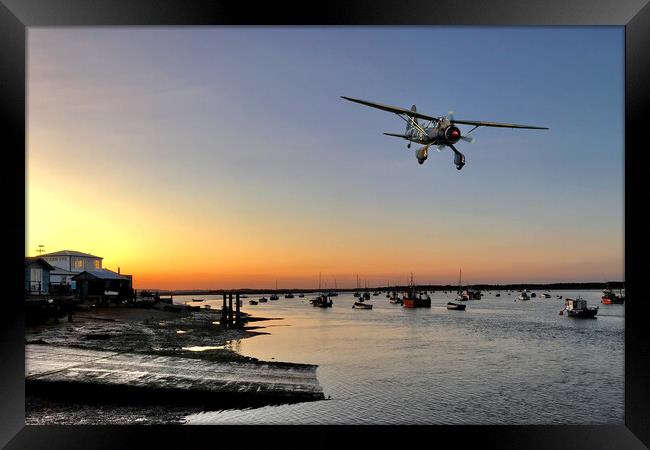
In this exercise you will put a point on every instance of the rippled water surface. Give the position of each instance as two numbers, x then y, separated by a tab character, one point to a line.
498	362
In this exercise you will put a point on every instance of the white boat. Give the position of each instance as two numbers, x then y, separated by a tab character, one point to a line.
524	295
362	305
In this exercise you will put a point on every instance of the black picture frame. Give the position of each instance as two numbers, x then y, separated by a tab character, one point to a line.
16	15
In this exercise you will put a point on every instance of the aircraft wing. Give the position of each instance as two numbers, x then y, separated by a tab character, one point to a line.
478	123
403	136
393	109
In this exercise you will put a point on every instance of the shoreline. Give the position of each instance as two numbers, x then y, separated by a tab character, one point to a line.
111	365
436	287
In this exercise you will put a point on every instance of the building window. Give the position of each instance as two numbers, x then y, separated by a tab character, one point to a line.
96	264
78	264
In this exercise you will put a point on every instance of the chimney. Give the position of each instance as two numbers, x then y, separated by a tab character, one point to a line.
118	270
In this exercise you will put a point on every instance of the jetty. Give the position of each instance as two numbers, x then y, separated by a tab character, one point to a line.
72	373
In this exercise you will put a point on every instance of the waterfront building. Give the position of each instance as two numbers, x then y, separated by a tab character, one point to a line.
103	284
37	275
68	263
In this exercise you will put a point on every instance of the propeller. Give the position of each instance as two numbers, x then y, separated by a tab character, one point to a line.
450	116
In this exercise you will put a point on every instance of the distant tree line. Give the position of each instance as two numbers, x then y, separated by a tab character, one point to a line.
429	287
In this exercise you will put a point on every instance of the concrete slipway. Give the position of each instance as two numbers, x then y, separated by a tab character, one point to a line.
73	373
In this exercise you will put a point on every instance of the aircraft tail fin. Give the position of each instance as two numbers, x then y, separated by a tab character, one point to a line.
409	124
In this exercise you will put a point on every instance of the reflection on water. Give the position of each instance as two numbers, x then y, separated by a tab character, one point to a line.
203	348
498	362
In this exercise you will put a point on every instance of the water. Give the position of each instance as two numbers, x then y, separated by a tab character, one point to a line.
498	362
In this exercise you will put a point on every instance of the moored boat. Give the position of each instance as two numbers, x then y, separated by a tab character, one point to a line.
252	302
197	299
263	300
362	305
610	297
275	296
578	308
472	294
289	295
414	299
544	295
456	306
524	295
322	301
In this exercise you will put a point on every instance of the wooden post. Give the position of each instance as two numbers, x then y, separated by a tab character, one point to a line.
224	312
230	309
238	313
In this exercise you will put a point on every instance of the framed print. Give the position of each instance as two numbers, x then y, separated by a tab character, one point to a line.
363	218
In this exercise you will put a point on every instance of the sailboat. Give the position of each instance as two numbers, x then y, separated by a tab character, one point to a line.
323	300
274	296
357	294
366	293
458	306
334	293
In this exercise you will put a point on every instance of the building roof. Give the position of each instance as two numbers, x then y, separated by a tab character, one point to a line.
102	274
70	253
37	260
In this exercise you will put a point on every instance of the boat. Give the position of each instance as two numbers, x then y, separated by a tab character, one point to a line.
301	295
472	294
578	308
459	297
394	298
414	299
498	294
456	306
275	296
610	297
362	305
357	293
334	293
544	295
197	299
252	302
289	295
533	295
322	301
523	296
263	300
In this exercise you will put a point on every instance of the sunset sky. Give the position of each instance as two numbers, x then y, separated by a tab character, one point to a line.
223	157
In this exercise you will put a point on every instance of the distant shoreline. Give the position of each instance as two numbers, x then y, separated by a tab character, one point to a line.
436	287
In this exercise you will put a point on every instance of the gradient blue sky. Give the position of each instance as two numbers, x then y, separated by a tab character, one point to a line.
223	156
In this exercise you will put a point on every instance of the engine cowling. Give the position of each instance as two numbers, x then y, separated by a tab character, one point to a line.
452	134
422	154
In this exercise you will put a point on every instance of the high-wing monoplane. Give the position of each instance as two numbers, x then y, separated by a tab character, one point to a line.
440	132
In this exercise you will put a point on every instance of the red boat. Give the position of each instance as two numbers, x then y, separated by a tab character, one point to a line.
611	298
413	299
